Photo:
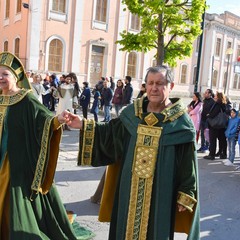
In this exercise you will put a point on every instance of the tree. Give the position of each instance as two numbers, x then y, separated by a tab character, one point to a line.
169	26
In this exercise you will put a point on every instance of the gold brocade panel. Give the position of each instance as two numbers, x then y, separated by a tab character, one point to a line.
144	162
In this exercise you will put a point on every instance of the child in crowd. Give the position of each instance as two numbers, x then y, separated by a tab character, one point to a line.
230	134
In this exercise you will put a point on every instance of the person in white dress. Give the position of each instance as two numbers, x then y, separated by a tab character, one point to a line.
37	87
67	99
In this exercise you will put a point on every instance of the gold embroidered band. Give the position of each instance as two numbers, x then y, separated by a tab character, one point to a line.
41	163
88	140
185	200
3	110
145	157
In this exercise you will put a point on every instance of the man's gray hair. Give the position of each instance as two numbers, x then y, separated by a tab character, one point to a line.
166	71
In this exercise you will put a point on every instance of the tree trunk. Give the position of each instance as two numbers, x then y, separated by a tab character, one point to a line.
160	48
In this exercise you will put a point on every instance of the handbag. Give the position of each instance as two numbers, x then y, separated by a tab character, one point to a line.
75	102
219	121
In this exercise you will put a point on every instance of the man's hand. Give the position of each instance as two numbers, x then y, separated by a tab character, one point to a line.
181	208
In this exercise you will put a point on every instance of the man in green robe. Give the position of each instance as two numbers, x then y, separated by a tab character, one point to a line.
153	171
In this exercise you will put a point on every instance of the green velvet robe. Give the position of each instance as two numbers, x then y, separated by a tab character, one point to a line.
30	142
175	170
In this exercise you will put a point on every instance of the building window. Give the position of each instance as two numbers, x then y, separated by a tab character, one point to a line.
218	47
154	63
7	9
229	46
5	46
135	22
17	47
101	11
55	55
235	81
59	6
238	51
214	78
19	6
183	78
132	64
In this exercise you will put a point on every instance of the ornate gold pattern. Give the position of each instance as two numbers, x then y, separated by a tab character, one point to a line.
88	141
174	111
151	119
39	172
170	113
3	110
13	99
187	201
144	162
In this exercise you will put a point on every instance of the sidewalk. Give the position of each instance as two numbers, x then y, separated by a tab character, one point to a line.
219	193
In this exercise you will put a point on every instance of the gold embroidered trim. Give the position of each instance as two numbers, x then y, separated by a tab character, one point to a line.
41	163
174	111
88	141
138	106
170	113
3	110
13	99
151	119
186	200
145	157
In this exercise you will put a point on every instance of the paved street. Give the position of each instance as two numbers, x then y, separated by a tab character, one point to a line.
219	193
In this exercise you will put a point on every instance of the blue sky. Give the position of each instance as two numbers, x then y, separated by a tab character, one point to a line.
219	6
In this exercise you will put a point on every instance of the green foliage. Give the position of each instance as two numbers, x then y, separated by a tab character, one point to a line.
169	26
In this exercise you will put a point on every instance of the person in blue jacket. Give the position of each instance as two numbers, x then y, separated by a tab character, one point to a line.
230	134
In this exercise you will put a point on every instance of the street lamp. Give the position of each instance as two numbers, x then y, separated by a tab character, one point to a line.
229	52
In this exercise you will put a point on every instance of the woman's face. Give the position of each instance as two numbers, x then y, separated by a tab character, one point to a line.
7	79
68	80
119	83
194	97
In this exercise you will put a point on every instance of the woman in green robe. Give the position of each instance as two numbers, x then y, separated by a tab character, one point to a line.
30	207
151	187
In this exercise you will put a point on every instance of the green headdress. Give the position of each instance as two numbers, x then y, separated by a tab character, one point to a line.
10	61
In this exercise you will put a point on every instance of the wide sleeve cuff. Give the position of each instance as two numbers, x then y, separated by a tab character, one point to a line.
86	141
186	201
56	124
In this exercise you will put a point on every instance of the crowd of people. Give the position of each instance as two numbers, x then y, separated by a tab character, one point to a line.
151	178
65	93
225	135
149	150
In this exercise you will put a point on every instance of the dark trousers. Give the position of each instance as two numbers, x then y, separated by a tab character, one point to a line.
85	111
215	134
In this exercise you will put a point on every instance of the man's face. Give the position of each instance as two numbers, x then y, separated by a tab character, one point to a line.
105	84
207	94
158	89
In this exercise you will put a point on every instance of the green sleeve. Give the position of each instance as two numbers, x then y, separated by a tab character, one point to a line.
101	144
186	169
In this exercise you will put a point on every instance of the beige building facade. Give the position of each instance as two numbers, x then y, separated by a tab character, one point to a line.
64	36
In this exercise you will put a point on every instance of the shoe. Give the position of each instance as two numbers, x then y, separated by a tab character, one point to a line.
228	163
224	161
209	157
202	150
223	156
217	154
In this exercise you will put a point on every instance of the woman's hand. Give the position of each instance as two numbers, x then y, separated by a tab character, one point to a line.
72	120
